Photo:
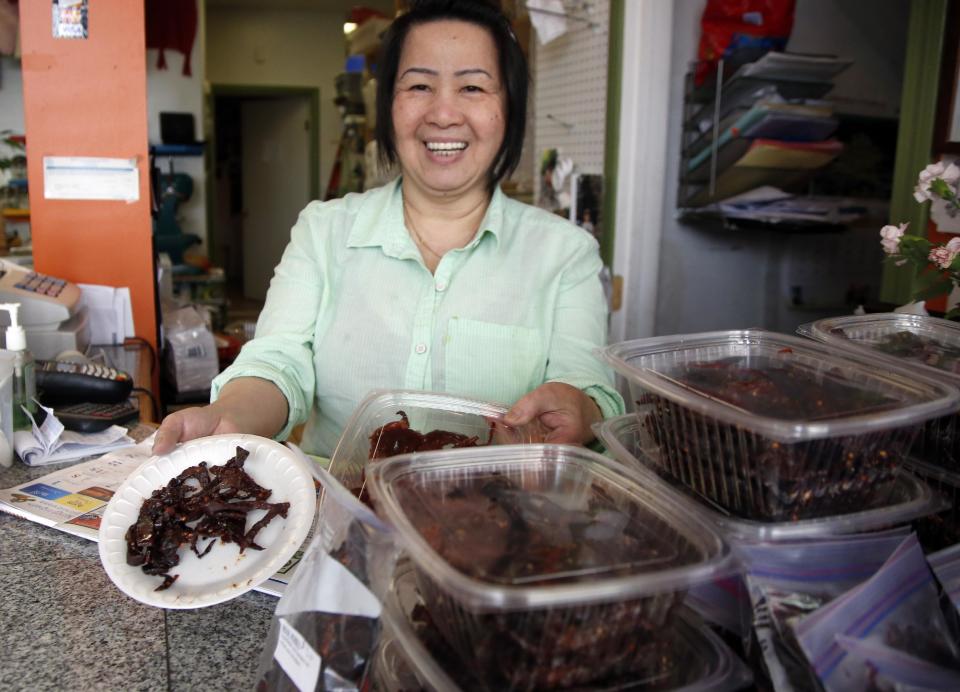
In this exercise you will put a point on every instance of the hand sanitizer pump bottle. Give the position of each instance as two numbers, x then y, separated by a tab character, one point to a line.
24	373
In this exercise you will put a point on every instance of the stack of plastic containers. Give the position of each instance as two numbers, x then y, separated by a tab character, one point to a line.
774	428
545	566
774	439
929	347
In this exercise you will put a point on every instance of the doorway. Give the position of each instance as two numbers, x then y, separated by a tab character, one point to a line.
263	169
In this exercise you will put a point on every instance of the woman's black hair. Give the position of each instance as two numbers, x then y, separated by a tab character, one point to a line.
513	74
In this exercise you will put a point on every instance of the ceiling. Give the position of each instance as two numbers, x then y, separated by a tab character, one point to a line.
326	5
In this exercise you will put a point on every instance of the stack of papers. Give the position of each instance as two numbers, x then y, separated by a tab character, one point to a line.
765	120
49	443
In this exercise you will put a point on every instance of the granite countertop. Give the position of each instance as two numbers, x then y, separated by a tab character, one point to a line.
66	625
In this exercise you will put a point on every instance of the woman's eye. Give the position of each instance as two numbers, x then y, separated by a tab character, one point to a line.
472	89
419	87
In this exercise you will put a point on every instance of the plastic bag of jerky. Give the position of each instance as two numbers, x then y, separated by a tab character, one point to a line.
897	608
895	669
327	624
789	580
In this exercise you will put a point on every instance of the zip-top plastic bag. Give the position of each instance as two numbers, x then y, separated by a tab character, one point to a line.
897	614
327	624
787	581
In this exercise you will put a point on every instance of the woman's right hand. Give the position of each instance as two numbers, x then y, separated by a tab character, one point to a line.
191	423
246	405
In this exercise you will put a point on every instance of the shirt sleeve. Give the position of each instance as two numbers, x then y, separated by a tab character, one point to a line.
282	350
580	327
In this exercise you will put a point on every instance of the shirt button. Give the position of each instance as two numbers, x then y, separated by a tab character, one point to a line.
421	349
441	285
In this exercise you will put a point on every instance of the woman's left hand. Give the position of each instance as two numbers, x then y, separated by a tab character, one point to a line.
565	411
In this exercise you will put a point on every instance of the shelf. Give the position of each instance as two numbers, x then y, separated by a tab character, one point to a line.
736	223
16	214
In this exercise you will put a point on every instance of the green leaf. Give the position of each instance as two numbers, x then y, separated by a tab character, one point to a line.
939	187
931	285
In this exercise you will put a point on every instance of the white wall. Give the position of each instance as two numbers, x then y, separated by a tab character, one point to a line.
11	94
281	47
171	90
716	279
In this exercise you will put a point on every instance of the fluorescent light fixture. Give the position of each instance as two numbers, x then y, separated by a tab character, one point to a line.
348	27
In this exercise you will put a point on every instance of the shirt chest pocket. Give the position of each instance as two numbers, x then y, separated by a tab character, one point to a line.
493	362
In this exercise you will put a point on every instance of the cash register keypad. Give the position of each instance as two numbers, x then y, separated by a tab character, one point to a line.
42	284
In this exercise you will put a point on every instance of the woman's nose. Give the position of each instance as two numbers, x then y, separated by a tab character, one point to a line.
444	110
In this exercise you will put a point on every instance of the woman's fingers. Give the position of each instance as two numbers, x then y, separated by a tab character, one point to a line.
188	424
168	435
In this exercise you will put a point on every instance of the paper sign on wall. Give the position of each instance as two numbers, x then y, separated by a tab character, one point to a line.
89	177
69	18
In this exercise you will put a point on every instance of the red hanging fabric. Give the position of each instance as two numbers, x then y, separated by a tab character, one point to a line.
172	24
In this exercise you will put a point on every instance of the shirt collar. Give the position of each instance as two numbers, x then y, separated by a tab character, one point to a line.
379	222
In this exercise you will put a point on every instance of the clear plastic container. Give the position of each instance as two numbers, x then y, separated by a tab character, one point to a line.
543	565
906	499
929	345
414	654
363	438
939	530
773	427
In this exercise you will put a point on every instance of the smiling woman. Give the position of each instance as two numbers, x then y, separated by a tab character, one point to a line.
436	281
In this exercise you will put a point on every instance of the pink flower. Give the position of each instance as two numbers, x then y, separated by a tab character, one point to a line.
943	255
890	237
948	173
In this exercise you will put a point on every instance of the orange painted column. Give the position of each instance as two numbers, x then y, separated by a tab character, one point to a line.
88	97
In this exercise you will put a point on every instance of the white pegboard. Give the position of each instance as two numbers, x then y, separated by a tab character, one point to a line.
570	88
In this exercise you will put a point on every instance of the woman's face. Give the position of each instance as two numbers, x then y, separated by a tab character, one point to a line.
449	107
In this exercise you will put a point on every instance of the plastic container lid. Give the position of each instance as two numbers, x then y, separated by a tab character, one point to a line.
928	343
911	498
706	662
425	411
601	536
857	397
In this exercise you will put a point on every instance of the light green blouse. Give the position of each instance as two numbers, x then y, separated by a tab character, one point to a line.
352	308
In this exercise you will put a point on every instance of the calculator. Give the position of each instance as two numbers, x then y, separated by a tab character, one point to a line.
91	417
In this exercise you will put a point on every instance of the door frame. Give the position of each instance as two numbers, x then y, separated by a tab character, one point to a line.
253	91
638	128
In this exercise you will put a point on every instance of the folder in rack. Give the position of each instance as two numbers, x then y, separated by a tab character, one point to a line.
768	162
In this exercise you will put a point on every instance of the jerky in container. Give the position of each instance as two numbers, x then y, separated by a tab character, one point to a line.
543	566
772	427
928	345
904	498
391	422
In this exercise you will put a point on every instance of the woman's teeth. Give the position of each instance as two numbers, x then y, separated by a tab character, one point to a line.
446	148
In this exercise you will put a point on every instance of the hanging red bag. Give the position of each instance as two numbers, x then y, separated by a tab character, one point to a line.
751	27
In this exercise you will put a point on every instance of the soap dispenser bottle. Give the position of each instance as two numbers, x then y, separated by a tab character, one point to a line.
24	370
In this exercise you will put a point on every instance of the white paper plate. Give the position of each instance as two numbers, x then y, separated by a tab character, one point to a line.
224	572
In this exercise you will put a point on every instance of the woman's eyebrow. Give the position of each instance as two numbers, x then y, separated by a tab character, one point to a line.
435	73
472	70
419	70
